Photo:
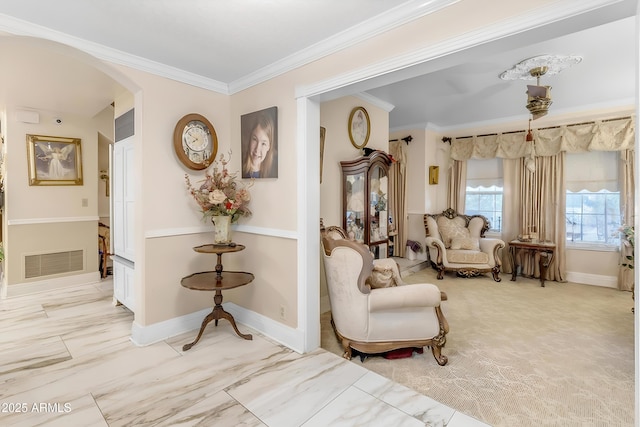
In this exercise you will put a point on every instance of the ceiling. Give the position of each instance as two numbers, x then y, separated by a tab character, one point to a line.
472	92
223	44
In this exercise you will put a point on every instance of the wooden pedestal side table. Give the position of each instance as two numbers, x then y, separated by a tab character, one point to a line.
218	281
544	249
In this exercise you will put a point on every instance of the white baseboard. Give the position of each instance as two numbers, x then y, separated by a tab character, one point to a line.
49	284
147	335
592	279
287	336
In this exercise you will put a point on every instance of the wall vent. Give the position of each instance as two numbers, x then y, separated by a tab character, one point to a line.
55	263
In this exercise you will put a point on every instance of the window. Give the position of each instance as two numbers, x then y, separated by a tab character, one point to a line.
484	190
593	216
592	198
486	202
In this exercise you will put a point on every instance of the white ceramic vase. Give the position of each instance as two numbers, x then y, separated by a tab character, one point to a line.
221	230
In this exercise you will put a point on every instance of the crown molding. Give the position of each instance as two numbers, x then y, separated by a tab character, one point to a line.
395	17
416	126
20	27
400	15
605	109
376	102
537	18
159	69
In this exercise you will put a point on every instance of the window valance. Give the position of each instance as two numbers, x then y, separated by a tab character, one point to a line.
609	135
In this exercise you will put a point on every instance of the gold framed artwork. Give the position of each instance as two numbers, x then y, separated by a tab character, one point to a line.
54	160
359	127
433	174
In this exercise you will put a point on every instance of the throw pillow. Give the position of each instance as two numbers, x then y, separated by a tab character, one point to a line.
469	243
382	277
452	228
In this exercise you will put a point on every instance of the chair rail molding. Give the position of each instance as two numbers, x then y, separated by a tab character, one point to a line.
180	231
30	221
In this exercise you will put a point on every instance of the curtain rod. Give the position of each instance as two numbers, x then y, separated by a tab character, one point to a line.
406	139
448	139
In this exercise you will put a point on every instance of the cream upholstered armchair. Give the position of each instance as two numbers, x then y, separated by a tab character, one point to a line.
456	242
375	320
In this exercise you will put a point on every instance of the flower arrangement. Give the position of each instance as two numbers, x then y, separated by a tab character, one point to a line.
629	235
220	194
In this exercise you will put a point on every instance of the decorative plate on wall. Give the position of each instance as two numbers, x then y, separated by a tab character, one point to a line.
359	127
195	141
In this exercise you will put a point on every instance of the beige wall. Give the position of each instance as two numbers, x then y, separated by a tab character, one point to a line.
596	263
169	224
47	219
165	214
36	239
425	149
37	202
334	116
271	257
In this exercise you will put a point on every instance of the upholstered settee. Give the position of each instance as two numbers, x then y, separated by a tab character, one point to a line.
376	320
456	243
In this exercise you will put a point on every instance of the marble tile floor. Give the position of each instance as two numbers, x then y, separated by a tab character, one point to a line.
66	360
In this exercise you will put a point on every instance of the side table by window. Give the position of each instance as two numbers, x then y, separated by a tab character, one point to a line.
217	281
544	249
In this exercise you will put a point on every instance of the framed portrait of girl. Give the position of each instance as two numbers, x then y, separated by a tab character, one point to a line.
260	143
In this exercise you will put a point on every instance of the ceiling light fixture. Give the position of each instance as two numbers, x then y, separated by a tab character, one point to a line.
539	97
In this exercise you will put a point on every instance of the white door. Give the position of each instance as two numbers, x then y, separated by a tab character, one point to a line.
123	199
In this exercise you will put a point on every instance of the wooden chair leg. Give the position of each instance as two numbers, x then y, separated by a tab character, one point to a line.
437	353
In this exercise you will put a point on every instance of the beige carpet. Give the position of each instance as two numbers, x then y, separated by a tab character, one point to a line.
522	355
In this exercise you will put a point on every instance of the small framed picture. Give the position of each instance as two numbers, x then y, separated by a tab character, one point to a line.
433	174
260	144
54	160
359	127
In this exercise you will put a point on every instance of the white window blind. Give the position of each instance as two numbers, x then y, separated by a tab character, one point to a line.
592	171
484	173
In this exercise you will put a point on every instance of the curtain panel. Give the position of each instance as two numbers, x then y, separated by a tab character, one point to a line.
627	194
611	135
544	212
397	195
456	185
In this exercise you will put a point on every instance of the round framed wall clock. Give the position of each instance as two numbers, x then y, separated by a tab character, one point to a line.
195	141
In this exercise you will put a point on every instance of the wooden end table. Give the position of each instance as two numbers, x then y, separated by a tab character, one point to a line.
218	281
544	249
